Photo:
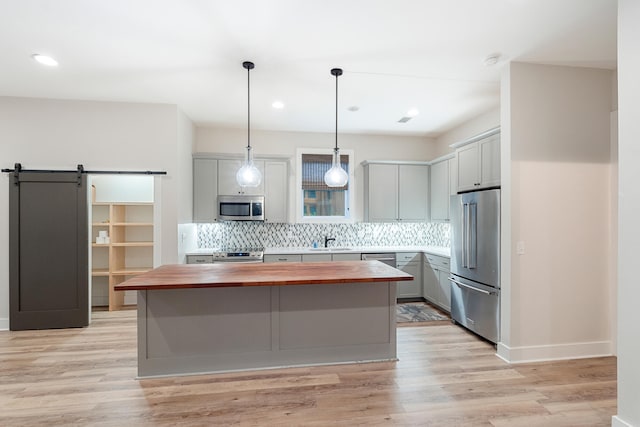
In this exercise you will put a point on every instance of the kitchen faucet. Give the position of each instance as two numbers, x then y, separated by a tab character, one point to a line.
327	239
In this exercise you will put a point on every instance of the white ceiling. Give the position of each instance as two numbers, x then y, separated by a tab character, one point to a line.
396	55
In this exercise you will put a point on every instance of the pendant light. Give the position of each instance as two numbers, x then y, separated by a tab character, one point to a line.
248	175
336	176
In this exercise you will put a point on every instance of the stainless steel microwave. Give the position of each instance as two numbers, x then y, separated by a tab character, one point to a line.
241	208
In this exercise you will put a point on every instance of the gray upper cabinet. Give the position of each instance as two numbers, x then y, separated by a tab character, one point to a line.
440	191
216	176
276	184
227	184
453	177
479	163
396	192
489	150
380	192
205	190
413	195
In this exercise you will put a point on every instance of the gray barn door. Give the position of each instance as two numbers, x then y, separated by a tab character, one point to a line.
48	254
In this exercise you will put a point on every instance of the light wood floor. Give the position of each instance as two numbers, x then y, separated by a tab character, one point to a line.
445	377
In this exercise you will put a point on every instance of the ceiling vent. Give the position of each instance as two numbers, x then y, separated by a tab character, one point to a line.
405	119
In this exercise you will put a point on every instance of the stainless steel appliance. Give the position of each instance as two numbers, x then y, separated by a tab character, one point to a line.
238	255
241	208
475	262
389	258
226	255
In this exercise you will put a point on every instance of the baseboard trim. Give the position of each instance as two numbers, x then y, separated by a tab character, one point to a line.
542	353
4	324
617	422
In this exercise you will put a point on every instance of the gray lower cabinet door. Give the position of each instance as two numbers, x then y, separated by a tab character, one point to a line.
48	251
410	288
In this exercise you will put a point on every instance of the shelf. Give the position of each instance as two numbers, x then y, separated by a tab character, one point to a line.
131	244
130	229
123	244
131	271
100	272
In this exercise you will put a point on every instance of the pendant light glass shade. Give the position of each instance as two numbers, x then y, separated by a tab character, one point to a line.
248	175
336	176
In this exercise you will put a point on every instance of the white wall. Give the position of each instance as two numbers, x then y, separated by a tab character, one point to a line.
558	133
55	134
366	147
629	208
186	145
473	127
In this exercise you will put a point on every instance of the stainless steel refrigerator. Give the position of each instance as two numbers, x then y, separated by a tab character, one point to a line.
475	262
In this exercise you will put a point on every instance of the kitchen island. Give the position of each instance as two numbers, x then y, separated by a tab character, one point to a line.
224	317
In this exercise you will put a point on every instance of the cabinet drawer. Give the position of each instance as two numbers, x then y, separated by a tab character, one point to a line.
405	257
437	261
282	258
199	259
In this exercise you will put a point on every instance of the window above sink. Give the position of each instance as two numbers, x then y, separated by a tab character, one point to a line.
315	201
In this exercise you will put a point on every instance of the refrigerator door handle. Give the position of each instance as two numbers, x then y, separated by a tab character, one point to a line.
465	235
482	291
472	256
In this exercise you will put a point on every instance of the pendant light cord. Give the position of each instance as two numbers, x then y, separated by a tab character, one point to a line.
248	108
336	111
248	65
336	72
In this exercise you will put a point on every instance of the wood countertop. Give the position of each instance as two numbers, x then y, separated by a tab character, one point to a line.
185	276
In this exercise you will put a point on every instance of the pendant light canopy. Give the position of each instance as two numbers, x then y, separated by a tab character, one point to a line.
248	175
336	176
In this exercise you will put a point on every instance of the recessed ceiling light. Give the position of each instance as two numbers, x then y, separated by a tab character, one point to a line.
353	108
279	105
413	112
45	60
492	59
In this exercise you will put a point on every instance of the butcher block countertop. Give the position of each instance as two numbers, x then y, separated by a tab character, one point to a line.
185	276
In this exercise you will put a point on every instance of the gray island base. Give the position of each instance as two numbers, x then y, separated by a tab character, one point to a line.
197	330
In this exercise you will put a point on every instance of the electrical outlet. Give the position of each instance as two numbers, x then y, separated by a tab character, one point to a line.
520	248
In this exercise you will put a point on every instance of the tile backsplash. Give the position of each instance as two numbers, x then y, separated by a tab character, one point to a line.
241	234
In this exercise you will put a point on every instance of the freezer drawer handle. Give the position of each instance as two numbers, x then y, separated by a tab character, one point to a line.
365	258
482	291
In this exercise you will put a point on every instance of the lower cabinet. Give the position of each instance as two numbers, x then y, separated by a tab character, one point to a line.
347	257
325	257
436	288
282	258
409	262
316	257
199	259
